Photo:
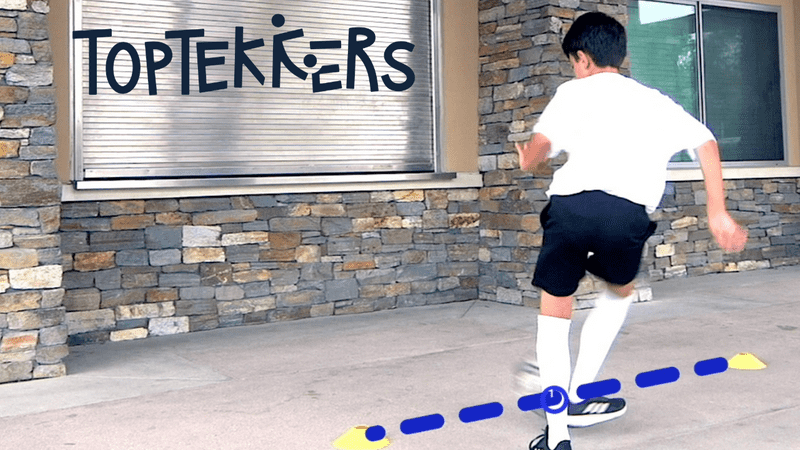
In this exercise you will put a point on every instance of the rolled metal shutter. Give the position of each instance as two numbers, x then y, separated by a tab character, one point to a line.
254	130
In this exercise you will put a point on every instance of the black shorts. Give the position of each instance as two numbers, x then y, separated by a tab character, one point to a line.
613	229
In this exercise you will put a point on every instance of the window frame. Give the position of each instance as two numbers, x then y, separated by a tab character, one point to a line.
439	162
698	4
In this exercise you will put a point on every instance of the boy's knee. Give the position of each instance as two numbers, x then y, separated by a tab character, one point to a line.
553	306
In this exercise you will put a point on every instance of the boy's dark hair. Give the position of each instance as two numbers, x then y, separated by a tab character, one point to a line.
598	35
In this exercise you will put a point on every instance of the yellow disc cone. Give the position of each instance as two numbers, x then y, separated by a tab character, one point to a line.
746	361
356	439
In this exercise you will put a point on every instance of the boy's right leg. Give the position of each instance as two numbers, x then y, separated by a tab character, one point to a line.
552	353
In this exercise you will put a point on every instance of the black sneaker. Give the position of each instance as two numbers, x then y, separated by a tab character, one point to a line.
541	444
595	410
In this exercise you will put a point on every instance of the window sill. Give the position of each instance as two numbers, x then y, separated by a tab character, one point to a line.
735	173
152	189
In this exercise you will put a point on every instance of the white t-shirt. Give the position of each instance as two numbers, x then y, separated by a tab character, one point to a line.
619	135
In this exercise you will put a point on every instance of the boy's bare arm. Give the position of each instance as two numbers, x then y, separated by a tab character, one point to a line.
729	235
533	152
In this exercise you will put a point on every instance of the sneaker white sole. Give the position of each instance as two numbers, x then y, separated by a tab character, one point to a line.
588	420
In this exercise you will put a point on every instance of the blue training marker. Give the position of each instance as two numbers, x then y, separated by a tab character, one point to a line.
420	424
375	433
481	412
711	366
599	388
530	402
656	377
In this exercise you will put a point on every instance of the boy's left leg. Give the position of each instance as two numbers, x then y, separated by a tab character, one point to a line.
616	257
597	336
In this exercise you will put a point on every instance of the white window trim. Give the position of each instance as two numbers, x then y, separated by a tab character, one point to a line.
690	171
736	173
461	180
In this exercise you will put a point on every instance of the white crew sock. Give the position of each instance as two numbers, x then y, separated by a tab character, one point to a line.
597	336
552	352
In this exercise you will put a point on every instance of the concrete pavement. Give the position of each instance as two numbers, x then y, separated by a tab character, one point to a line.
300	385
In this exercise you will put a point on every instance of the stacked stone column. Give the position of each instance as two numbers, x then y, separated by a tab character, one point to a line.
32	332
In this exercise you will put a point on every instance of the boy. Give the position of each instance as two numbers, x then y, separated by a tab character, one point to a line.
620	136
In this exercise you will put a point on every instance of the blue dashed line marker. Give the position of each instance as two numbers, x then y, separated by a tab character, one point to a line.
657	377
599	388
551	396
481	412
530	402
711	366
420	424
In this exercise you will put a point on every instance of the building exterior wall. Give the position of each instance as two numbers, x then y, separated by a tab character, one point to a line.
33	335
134	264
151	262
137	268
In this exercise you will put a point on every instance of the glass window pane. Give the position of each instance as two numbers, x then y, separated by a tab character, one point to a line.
743	87
662	45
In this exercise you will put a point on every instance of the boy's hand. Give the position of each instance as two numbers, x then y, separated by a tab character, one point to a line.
729	235
533	152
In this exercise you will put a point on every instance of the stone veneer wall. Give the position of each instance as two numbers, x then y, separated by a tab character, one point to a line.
32	332
521	66
155	267
683	246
